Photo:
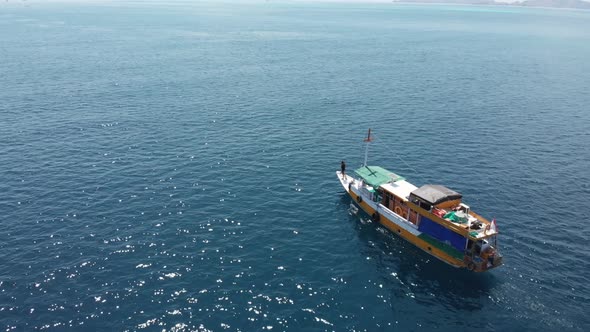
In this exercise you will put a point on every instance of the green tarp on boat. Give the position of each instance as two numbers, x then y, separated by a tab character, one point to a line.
458	217
376	176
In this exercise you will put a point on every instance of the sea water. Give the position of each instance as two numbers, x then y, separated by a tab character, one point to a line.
171	166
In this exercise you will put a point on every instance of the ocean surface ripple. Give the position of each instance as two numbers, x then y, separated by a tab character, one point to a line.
171	166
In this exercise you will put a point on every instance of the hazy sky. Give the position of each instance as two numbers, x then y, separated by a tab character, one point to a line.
335	1
238	1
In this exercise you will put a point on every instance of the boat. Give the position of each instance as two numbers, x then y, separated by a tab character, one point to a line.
432	217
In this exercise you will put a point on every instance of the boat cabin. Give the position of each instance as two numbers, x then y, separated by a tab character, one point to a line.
430	208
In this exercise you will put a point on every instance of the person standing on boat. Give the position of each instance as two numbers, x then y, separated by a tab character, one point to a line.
343	169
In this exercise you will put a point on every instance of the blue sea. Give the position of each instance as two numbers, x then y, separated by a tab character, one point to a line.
171	166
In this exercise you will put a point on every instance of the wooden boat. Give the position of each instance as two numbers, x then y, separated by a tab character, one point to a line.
432	217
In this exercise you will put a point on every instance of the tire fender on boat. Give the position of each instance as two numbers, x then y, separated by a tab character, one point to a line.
359	199
376	217
349	186
470	266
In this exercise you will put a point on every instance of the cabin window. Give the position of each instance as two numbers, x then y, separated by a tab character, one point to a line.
425	206
413	217
422	204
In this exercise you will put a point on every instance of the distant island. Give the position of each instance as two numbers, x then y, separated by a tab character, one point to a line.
565	4
574	4
577	4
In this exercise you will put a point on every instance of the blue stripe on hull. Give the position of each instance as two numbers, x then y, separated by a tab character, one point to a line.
442	234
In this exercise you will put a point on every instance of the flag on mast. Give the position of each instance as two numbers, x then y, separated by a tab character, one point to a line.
368	139
493	227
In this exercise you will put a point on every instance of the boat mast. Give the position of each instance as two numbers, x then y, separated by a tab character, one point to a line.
367	141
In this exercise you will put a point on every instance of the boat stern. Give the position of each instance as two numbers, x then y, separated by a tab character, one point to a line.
488	259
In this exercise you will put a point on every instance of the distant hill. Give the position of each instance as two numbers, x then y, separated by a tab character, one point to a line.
467	2
463	2
555	4
575	4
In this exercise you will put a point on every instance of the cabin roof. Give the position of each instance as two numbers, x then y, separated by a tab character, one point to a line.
376	176
435	194
400	188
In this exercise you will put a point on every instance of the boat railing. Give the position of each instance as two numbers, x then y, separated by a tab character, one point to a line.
480	218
